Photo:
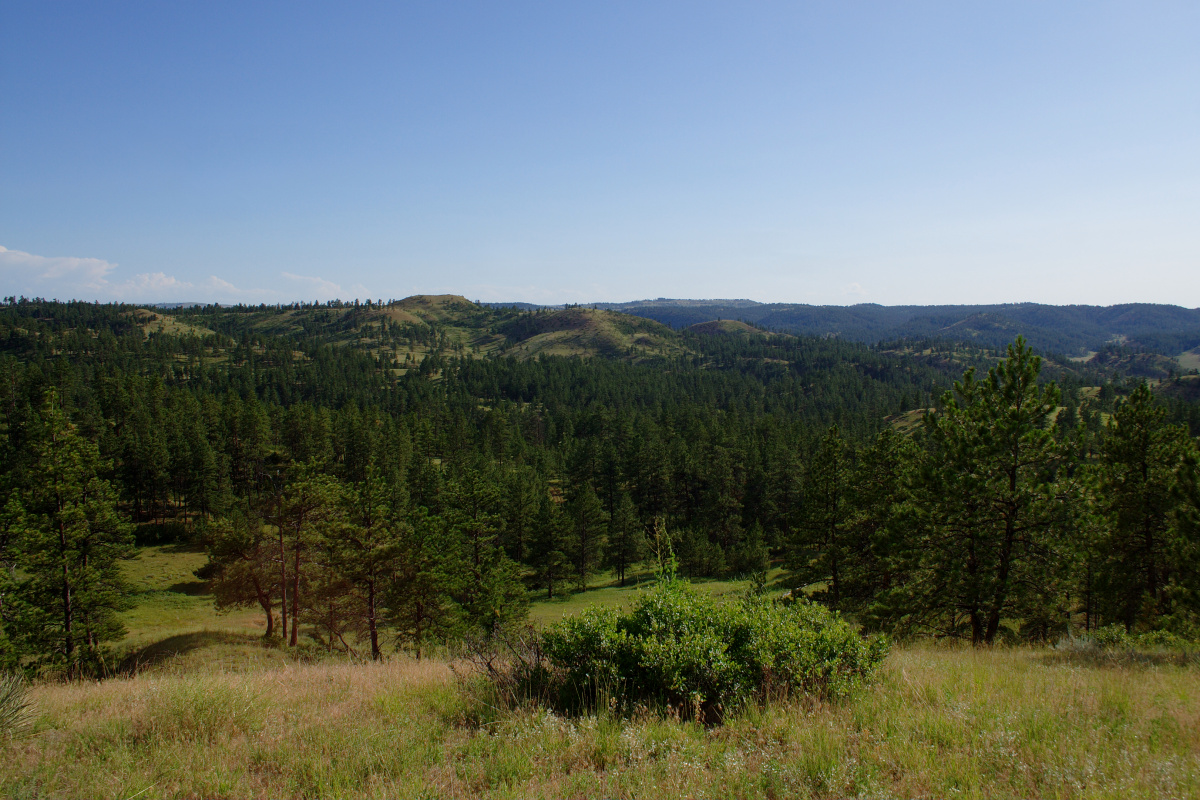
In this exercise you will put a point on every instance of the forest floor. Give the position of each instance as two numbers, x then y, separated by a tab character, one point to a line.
210	711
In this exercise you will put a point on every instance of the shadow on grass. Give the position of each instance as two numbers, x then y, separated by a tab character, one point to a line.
171	647
1120	657
190	588
565	594
183	547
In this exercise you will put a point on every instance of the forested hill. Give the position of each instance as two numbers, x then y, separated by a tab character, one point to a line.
445	352
1070	330
433	460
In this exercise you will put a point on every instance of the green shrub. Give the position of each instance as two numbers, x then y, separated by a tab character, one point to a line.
693	653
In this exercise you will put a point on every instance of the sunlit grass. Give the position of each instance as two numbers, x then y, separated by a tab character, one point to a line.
216	713
604	589
170	601
940	723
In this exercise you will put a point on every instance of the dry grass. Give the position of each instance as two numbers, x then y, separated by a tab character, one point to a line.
941	723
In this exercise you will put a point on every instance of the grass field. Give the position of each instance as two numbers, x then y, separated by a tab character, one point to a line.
940	723
1189	360
213	712
171	602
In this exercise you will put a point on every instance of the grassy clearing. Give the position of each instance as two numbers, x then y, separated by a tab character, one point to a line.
1189	360
942	723
605	590
214	713
171	602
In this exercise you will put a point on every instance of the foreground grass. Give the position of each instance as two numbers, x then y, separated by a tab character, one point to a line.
944	723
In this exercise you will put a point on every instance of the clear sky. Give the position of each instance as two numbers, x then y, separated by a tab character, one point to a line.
833	152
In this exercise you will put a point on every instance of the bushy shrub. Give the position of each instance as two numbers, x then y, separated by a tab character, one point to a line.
696	654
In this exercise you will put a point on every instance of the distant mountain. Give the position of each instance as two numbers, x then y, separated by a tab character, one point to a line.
1071	330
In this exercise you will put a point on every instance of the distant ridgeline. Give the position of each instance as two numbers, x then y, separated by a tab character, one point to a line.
1070	330
495	450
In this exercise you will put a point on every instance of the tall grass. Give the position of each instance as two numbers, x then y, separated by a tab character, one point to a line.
940	723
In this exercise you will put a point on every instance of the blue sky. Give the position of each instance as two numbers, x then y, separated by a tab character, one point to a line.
831	153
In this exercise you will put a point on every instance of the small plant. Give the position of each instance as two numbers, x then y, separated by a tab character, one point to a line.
16	711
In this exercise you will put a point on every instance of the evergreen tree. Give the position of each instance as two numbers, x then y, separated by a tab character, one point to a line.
365	552
1182	592
550	547
71	539
1140	456
820	543
990	516
587	522
876	530
420	596
626	538
306	507
241	568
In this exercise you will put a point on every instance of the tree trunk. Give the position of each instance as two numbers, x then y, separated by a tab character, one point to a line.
293	641
68	611
283	582
1001	594
264	600
371	625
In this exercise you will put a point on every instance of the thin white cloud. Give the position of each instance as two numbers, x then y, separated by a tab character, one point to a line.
150	286
321	288
19	266
75	278
222	291
72	278
527	293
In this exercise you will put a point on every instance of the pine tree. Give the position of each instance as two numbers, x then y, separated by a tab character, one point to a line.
626	538
990	516
819	544
1140	455
366	550
587	522
71	540
303	510
241	568
550	547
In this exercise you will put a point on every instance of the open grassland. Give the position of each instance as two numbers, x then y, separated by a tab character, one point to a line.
1189	360
940	723
172	604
